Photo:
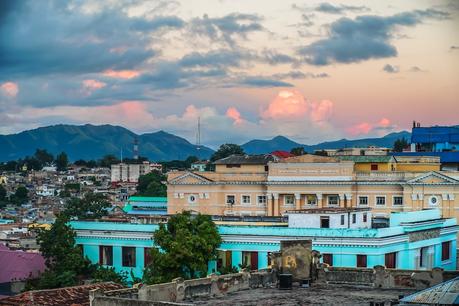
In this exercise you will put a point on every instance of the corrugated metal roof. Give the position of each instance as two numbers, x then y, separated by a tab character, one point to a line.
435	134
366	158
261	159
445	157
446	293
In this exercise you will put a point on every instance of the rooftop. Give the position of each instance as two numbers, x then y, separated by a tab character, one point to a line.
147	199
446	293
366	158
435	134
328	210
261	159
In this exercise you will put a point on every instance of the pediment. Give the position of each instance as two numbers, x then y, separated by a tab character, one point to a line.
190	178
433	178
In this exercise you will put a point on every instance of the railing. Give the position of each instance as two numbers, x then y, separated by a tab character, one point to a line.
386	176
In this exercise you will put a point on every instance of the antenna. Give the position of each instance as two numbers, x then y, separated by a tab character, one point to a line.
198	135
136	148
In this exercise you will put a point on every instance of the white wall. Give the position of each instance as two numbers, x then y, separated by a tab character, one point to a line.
313	220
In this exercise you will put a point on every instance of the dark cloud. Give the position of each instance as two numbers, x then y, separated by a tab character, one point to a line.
362	38
217	58
390	69
416	69
301	75
275	58
339	9
453	48
42	37
263	82
226	28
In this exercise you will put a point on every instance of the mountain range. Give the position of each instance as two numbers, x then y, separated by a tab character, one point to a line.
94	141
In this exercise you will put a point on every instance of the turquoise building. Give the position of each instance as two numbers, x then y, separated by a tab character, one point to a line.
413	240
146	206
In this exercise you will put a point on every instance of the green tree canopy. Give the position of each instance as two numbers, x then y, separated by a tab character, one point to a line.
21	195
298	151
226	150
2	193
43	157
400	144
108	160
91	206
152	185
62	161
187	243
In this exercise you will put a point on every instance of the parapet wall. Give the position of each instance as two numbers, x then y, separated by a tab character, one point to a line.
381	277
180	290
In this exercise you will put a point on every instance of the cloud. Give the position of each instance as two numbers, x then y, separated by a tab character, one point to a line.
256	81
234	114
380	128
391	69
10	89
226	28
362	38
217	58
275	58
325	7
59	38
321	111
121	74
453	48
301	75
415	69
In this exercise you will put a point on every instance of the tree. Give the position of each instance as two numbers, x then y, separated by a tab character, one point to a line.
152	185
21	195
62	161
43	157
400	144
186	244
321	153
297	151
91	206
2	193
108	160
226	150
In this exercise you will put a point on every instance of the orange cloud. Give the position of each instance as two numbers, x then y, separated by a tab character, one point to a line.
361	128
234	114
287	104
384	122
321	111
93	84
121	74
10	89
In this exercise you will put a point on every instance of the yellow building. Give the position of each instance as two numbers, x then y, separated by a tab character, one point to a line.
262	185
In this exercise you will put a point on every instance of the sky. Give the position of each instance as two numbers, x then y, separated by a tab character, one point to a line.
308	70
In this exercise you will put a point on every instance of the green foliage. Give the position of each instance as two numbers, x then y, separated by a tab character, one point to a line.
298	151
20	196
226	150
62	161
108	274
179	164
321	153
400	144
91	206
108	160
151	185
75	187
2	193
228	270
187	243
43	157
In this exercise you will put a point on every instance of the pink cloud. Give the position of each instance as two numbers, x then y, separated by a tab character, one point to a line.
10	89
321	111
93	84
359	129
121	74
287	104
384	122
234	114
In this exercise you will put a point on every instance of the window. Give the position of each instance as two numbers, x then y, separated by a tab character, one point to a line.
146	256
245	199
230	199
191	199
364	218
333	200
266	168
106	255
423	256
354	218
128	256
361	261
261	200
390	260
445	250
289	199
233	166
380	200
342	219
328	259
374	167
324	222
398	200
363	200
311	200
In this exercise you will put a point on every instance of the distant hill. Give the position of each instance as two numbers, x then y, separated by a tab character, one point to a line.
94	141
283	143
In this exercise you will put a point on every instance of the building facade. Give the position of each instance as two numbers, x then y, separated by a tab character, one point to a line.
414	240
123	172
260	186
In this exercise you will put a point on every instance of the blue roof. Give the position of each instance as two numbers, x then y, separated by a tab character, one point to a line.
435	134
445	157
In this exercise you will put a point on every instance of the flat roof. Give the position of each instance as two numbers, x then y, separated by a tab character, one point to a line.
328	210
